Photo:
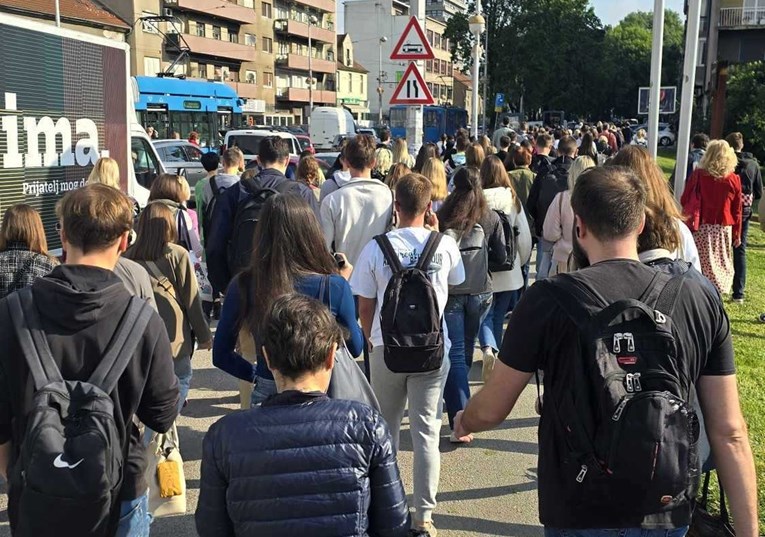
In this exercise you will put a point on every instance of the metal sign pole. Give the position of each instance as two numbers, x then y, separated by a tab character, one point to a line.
654	100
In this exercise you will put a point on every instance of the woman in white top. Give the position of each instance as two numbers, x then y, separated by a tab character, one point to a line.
659	199
559	223
507	282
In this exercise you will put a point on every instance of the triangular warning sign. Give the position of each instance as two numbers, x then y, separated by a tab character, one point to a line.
412	45
412	89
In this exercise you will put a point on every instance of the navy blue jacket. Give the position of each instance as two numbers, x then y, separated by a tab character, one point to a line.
301	465
216	243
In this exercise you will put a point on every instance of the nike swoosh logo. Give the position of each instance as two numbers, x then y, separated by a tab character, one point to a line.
60	463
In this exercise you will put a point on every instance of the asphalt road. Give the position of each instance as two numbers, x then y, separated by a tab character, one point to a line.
487	488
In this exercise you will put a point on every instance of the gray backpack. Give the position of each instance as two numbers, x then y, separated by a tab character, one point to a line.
69	471
475	258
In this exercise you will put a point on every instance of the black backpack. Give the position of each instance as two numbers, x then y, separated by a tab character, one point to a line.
474	251
623	403
246	218
511	243
209	209
69	471
410	320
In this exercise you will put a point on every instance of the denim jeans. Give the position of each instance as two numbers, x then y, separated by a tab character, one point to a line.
135	518
544	258
624	532
464	315
739	262
262	389
492	326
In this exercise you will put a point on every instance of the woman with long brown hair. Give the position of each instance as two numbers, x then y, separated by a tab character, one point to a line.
289	256
676	243
426	152
309	173
466	217
169	190
714	194
176	292
23	249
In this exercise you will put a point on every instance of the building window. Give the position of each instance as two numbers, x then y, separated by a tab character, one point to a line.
251	77
268	80
268	45
701	61
233	36
202	70
248	3
216	32
150	27
200	29
250	40
429	34
265	9
151	66
363	89
429	66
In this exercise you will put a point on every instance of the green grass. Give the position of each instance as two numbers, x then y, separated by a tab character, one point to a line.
748	343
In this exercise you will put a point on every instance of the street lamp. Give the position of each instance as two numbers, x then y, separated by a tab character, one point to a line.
380	89
476	24
311	21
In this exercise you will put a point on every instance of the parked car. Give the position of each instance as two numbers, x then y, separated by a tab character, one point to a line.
248	140
327	158
666	135
305	143
180	154
328	124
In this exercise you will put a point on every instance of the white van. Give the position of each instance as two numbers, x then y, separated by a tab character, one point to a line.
327	124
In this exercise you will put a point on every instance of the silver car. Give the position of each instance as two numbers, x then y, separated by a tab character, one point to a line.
180	154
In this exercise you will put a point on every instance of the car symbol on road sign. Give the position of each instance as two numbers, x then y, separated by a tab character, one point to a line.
412	45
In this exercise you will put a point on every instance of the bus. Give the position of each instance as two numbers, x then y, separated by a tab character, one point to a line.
437	120
173	105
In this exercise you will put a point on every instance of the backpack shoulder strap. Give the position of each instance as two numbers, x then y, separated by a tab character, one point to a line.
429	251
389	253
34	345
577	300
249	185
214	186
667	298
124	342
158	275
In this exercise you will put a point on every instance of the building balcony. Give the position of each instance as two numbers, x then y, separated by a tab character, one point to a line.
741	18
246	91
213	47
327	6
294	61
221	9
302	95
293	27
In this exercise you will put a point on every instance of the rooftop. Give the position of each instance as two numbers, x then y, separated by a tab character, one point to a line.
356	67
84	12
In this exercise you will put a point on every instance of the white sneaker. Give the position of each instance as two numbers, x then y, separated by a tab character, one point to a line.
489	358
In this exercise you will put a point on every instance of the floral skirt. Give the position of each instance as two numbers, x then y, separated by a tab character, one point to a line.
715	245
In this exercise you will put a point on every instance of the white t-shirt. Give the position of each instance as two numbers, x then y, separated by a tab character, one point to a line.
371	273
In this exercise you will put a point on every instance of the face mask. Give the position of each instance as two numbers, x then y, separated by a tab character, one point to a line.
580	256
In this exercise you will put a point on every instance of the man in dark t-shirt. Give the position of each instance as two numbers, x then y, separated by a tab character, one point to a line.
609	208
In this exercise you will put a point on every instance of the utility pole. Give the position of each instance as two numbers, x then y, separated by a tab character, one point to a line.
485	75
686	100
311	21
380	88
414	113
654	99
58	13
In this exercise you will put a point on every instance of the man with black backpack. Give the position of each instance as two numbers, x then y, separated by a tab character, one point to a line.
748	169
80	358
552	178
402	279
233	165
626	350
236	212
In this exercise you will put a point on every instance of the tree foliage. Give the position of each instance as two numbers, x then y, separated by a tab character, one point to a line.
745	111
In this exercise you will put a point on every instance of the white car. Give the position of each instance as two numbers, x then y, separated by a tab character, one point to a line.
248	140
666	136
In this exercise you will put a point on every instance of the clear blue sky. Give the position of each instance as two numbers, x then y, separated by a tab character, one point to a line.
612	11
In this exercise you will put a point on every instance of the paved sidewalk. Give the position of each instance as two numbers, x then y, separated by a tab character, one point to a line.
487	488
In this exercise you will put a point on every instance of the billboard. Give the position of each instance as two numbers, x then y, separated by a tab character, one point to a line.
667	100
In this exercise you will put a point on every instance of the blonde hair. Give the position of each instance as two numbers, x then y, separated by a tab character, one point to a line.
720	160
383	160
106	171
185	189
640	134
400	152
578	167
434	170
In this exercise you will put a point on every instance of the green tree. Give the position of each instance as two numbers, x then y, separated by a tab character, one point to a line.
745	112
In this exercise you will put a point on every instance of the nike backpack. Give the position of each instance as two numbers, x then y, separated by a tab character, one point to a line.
410	320
475	258
68	474
246	219
623	403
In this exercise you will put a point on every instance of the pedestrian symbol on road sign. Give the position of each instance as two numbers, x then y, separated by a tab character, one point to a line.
412	45
412	89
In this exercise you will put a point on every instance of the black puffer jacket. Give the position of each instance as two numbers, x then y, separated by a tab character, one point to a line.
301	465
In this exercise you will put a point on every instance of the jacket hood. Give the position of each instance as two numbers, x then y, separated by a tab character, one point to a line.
270	178
75	296
342	177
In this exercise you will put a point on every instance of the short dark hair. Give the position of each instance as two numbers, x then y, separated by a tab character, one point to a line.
567	146
413	194
298	334
384	135
610	200
506	121
461	143
359	153
700	140
544	140
94	216
734	139
504	142
273	149
210	161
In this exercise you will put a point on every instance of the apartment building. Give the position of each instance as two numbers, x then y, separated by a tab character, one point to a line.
443	9
296	21
731	32
219	40
352	81
438	72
